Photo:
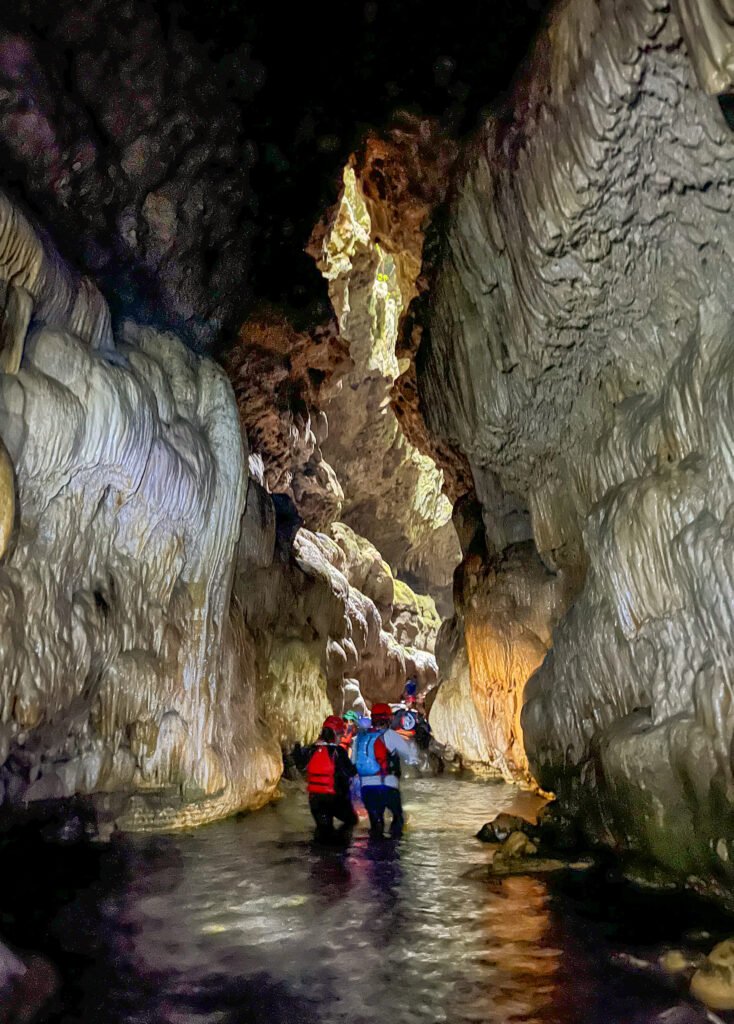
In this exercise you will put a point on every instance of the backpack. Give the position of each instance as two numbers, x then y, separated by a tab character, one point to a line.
366	759
320	770
422	733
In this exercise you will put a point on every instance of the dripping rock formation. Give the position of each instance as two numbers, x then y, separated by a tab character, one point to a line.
168	628
580	358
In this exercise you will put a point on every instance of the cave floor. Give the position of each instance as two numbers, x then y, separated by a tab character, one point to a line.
249	921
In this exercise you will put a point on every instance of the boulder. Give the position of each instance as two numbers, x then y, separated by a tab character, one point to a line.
713	982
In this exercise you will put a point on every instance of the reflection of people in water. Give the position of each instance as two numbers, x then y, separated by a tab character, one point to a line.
330	874
380	863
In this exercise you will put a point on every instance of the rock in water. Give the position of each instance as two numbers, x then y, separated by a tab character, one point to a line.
515	848
501	827
674	961
713	982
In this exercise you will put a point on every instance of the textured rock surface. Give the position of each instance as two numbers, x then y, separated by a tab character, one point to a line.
411	617
114	125
321	642
454	716
282	380
580	357
122	670
37	285
370	253
506	607
130	675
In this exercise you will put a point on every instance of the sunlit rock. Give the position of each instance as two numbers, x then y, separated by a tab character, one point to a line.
370	254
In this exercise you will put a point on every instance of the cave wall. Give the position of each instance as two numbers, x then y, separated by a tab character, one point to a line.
322	643
129	140
579	357
507	603
169	628
369	249
122	668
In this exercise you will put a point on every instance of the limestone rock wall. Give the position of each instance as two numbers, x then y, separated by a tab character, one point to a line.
454	716
370	250
283	379
321	642
124	676
122	671
507	604
165	631
579	357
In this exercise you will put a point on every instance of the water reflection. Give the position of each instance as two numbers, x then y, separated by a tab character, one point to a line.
251	921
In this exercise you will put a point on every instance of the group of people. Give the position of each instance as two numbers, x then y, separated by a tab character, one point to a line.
367	750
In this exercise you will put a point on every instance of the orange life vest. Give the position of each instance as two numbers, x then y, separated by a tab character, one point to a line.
347	736
320	770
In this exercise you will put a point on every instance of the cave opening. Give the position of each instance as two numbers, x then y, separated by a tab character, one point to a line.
365	455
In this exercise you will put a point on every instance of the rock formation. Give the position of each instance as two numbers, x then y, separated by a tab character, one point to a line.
123	670
580	358
283	379
322	643
130	675
369	250
507	603
115	128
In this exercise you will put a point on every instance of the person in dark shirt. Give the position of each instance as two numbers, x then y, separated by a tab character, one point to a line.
328	774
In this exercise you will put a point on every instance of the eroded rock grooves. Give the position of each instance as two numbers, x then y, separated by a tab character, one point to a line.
579	357
197	564
169	627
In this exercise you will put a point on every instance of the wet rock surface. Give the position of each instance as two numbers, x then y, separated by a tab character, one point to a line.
578	357
122	667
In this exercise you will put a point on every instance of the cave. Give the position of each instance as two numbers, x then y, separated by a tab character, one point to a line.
364	398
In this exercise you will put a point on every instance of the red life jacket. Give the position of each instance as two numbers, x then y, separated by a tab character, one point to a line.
320	770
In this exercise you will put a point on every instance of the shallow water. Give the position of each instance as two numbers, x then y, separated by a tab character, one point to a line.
250	921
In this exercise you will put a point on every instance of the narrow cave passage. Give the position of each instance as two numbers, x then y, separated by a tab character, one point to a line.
365	453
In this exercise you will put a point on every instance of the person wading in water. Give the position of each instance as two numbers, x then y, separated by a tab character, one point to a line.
377	754
328	774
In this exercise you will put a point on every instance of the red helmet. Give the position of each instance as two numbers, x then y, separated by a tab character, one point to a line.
381	711
333	722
